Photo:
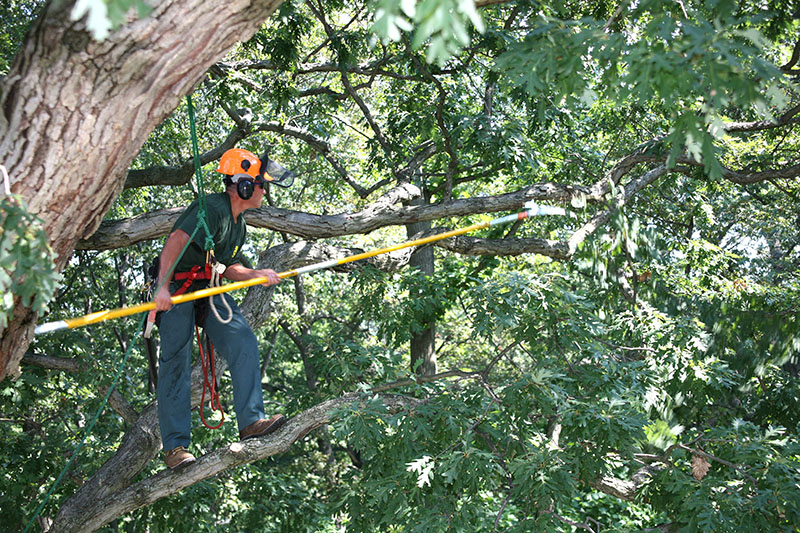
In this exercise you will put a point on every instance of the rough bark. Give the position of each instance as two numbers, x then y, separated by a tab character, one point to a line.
383	212
68	145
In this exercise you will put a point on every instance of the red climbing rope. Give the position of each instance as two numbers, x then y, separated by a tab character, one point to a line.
207	361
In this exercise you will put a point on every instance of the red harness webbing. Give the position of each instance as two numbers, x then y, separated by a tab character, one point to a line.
194	274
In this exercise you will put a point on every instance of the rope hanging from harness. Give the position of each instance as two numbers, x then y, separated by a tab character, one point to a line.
209	370
217	270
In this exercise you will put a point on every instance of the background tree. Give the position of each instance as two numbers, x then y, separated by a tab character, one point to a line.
632	366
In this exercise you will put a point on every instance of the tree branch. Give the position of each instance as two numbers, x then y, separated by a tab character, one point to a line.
168	482
317	144
789	66
789	117
118	233
442	98
746	178
602	218
121	406
181	175
53	363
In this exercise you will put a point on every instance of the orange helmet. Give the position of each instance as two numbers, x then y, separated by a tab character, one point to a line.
238	161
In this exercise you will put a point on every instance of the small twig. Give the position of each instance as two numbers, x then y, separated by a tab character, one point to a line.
587	527
626	348
723	461
614	16
446	134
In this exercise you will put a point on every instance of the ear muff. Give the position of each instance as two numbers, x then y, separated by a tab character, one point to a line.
245	185
245	188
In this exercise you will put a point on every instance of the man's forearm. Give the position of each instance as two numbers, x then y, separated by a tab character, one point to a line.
239	272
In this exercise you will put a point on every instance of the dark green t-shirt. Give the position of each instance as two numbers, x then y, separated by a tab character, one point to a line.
228	235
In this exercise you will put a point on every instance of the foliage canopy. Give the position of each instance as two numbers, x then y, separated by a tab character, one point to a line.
644	378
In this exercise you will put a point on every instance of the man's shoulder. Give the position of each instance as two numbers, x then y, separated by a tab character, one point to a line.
219	203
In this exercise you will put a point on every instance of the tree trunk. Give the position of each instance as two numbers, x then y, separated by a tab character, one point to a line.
68	146
423	349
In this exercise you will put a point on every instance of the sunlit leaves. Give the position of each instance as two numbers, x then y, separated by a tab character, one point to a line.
443	24
571	62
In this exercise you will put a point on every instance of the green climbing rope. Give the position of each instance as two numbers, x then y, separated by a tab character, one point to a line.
201	200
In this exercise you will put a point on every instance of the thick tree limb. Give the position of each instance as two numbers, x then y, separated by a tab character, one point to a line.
120	233
792	116
121	406
53	363
181	175
168	482
746	178
382	213
506	247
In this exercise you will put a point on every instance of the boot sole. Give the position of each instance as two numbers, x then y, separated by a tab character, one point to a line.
269	429
185	462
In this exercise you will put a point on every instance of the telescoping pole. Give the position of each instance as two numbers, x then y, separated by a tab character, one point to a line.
531	210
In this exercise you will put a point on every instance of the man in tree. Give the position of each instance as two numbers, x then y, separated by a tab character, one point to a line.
245	181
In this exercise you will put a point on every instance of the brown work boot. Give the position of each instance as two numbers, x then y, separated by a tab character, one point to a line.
262	427
178	457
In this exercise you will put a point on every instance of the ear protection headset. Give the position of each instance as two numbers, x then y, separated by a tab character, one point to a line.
245	183
244	186
248	171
